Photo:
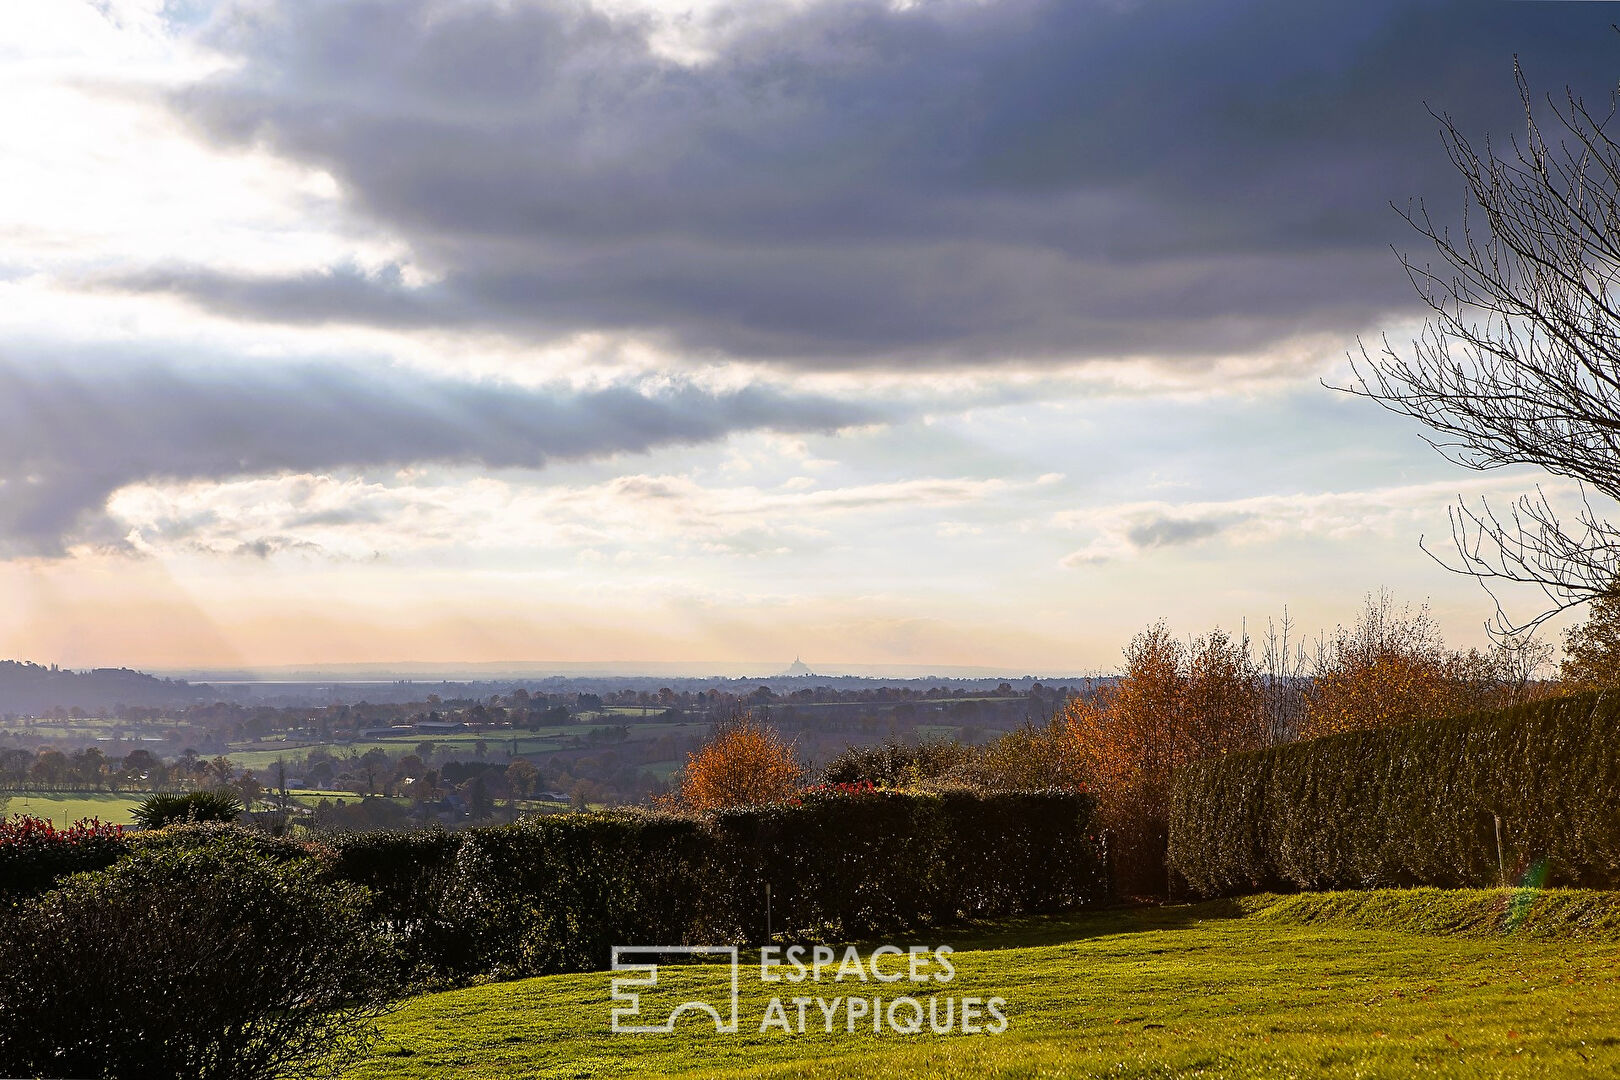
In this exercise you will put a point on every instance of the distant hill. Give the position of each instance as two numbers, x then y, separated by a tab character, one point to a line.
29	689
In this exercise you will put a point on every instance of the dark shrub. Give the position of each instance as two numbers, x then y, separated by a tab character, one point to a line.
208	961
897	764
33	853
367	814
1414	804
550	894
237	838
163	809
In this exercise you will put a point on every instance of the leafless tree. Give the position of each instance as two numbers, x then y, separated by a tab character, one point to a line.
1284	670
1519	362
1516	663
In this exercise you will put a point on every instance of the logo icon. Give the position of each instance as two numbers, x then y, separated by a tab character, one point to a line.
631	1010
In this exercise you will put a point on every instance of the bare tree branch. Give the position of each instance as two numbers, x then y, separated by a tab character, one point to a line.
1519	361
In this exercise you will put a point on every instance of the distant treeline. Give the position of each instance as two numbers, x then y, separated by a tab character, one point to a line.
31	689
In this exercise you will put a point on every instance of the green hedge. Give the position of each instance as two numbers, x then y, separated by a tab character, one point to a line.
556	893
846	866
1414	804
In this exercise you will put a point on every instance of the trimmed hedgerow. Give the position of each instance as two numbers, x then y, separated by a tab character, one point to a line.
555	893
481	901
1413	804
851	863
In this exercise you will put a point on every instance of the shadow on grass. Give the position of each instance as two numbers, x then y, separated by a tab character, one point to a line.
1024	932
1037	930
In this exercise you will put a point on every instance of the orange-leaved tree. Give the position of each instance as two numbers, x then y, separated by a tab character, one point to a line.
1392	667
744	763
1592	649
1176	702
1388	668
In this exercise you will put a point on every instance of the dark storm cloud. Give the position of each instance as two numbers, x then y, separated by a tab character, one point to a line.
845	183
72	434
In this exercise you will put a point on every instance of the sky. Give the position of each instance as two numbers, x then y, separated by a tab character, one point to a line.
931	333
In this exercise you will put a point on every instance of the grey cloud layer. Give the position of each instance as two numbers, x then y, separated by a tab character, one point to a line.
1167	531
72	434
847	183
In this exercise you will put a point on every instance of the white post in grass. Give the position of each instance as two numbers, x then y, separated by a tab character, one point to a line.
1501	864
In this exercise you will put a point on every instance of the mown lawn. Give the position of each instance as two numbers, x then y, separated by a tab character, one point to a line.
1214	990
64	809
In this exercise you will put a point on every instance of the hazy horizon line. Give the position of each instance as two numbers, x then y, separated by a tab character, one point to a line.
416	670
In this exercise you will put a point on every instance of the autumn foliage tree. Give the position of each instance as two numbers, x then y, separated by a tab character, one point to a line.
1389	667
1592	649
1392	667
1176	702
745	763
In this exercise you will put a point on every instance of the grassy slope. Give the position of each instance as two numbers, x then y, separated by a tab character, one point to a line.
1551	914
1225	989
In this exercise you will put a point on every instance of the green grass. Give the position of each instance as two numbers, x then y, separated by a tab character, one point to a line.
313	798
65	809
1266	987
1550	914
261	756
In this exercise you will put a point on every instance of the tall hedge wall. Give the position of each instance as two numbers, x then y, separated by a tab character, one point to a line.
1410	805
555	893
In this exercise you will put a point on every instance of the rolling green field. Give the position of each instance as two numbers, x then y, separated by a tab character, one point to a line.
1265	987
264	755
64	810
664	769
